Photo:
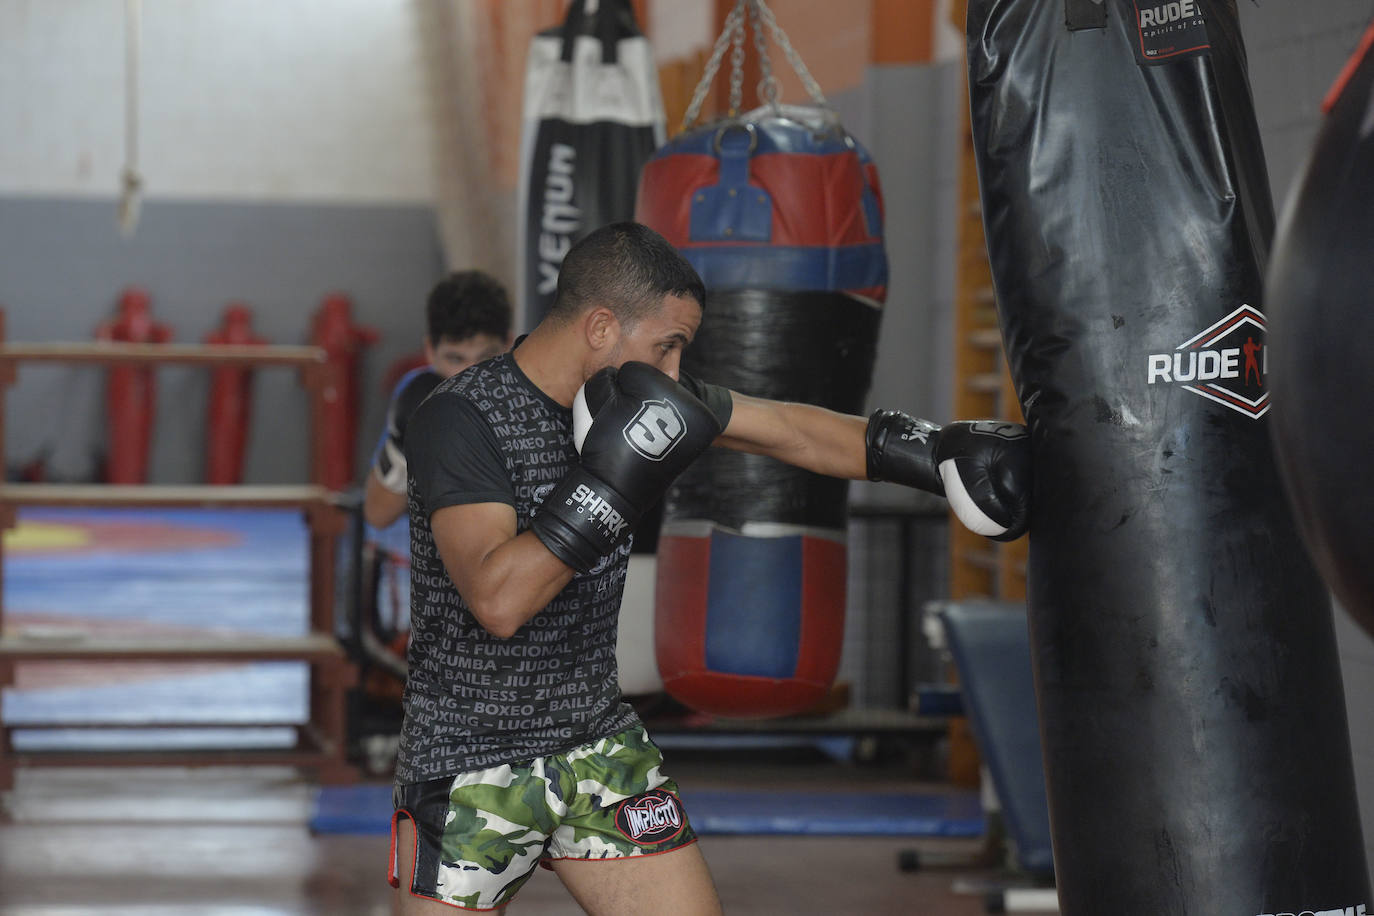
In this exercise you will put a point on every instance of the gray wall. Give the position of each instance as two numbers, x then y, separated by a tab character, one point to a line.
1296	51
909	119
63	265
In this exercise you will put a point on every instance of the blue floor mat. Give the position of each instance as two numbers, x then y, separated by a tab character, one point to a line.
367	810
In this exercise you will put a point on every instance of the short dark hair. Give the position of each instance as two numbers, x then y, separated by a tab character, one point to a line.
466	303
626	267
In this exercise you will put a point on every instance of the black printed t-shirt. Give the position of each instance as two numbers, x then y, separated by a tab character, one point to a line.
474	700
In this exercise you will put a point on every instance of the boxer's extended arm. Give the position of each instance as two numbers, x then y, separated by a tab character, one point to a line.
809	437
982	467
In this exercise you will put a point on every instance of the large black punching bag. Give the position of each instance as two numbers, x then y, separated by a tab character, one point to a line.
1321	291
1197	756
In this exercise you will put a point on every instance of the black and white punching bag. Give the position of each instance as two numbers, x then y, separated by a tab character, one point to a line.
1197	755
593	115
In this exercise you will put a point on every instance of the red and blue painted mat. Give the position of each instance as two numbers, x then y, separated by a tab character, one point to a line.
156	572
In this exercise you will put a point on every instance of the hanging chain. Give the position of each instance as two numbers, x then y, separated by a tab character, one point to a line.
737	67
735	18
768	83
131	182
813	88
732	36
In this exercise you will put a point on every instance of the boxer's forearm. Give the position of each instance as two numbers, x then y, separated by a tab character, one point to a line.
505	578
803	435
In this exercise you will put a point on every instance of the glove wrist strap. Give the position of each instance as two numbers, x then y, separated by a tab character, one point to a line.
901	448
583	520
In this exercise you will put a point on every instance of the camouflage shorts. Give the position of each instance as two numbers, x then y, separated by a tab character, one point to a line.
479	835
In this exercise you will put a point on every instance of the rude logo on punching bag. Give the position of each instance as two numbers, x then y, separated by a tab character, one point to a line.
1169	31
1227	363
655	429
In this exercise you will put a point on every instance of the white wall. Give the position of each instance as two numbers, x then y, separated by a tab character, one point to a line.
286	151
680	29
247	99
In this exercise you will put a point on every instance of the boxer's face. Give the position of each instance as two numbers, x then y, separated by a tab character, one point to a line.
660	337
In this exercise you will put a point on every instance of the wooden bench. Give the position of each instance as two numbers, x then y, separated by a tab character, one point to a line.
321	742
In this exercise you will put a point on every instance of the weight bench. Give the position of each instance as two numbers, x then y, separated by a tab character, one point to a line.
990	644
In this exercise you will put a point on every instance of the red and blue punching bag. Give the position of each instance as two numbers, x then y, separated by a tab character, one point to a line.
131	391
780	212
230	407
1196	749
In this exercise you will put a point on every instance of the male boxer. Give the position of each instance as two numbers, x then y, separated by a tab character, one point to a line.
527	475
467	318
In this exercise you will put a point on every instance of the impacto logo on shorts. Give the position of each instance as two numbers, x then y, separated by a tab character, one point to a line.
650	818
1357	910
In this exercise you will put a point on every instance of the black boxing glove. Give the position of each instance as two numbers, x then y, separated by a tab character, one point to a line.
389	464
636	430
982	467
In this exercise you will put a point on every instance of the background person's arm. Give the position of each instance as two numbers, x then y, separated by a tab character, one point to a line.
381	507
384	492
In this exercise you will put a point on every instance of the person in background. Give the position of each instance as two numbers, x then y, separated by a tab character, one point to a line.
468	319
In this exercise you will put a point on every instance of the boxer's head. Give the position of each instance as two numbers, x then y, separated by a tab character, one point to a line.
632	294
